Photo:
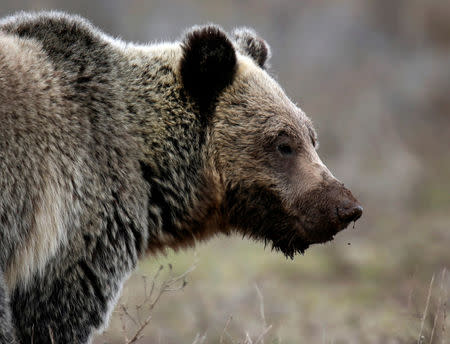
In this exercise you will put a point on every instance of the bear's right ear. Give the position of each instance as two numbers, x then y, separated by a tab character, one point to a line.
208	64
249	43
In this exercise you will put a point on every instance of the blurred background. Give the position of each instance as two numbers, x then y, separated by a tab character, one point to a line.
374	76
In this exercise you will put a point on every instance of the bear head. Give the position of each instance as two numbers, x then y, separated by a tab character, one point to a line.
275	188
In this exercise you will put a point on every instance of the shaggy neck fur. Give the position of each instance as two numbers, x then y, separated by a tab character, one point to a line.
172	136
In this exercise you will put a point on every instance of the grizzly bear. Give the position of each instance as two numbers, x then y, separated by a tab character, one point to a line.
110	151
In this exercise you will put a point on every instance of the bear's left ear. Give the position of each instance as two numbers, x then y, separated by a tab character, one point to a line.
208	64
250	44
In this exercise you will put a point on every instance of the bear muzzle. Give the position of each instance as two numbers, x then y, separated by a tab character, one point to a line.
327	210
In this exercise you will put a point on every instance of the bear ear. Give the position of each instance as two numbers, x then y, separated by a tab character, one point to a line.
208	64
250	44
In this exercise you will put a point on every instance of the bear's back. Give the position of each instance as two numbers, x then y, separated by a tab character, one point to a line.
69	41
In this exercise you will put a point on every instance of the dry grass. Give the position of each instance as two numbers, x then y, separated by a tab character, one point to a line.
153	291
366	292
136	320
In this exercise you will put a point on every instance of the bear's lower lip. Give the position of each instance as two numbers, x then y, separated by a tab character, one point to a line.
304	234
320	234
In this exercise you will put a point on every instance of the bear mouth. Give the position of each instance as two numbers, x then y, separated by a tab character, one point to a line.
304	235
321	232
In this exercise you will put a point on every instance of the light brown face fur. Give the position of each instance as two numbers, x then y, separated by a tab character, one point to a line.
272	173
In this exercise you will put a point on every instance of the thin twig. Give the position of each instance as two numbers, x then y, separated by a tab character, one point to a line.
439	305
225	329
261	305
124	326
151	298
419	341
444	311
138	335
263	316
248	339
154	282
125	311
263	334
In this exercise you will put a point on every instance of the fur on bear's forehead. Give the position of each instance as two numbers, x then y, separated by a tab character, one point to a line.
252	85
255	88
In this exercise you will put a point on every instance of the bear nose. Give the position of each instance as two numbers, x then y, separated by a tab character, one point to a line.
349	214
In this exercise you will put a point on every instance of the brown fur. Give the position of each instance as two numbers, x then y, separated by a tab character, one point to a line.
110	150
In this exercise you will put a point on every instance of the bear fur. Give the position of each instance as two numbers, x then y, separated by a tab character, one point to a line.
110	151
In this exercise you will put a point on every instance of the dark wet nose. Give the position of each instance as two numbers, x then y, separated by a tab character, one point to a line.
350	214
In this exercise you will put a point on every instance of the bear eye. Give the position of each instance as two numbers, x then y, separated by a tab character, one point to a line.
285	149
